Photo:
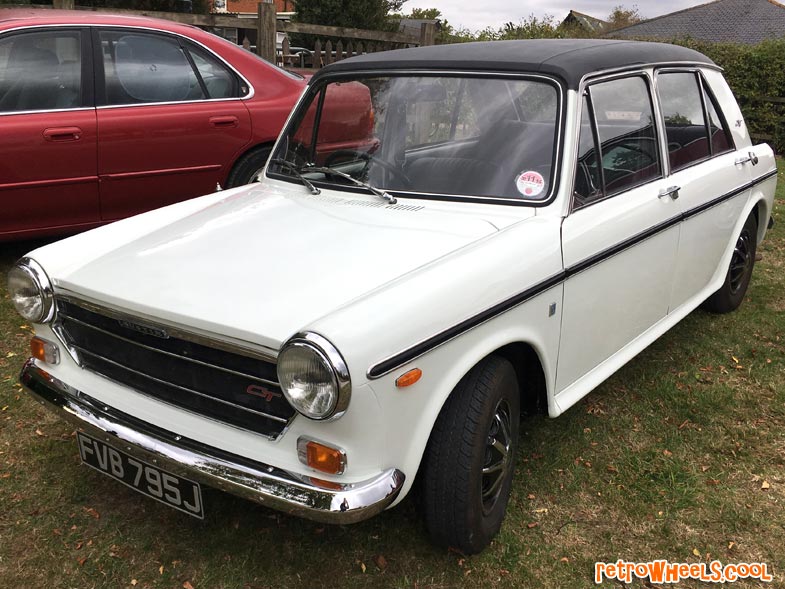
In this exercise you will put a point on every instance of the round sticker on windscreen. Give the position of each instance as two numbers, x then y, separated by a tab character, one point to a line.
530	184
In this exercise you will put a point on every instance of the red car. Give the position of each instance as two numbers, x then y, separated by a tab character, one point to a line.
107	116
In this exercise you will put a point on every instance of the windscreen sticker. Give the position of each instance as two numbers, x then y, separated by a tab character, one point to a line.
530	183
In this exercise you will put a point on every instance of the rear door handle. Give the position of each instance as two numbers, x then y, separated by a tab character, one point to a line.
672	191
224	121
62	134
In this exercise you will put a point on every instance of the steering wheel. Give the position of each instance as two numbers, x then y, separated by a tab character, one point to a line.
367	158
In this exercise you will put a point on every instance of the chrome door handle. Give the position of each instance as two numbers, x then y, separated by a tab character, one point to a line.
751	157
672	191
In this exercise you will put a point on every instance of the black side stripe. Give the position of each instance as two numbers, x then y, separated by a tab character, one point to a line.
381	368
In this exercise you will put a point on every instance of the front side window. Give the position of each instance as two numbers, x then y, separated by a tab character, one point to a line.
618	140
40	71
450	136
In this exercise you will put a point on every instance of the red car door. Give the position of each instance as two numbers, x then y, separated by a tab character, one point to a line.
170	120
48	178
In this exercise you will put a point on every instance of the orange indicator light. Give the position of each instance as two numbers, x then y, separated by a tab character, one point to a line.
321	457
407	379
44	351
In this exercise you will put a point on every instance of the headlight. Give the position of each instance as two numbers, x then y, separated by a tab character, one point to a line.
314	377
31	291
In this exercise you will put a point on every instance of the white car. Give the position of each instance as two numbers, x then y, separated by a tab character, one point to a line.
523	218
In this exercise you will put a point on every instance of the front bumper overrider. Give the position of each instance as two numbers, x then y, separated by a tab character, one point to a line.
268	485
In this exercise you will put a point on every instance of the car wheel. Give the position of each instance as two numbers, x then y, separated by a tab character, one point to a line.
731	293
470	458
248	167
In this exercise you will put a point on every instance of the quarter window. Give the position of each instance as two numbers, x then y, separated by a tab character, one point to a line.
219	82
40	71
720	138
685	124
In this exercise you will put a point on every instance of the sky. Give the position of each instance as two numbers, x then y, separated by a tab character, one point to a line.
478	14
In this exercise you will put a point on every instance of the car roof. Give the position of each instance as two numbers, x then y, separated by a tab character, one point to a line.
568	59
10	17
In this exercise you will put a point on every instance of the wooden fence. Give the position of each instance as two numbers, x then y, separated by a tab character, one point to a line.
266	26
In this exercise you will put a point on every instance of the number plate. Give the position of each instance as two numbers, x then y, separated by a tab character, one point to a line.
149	480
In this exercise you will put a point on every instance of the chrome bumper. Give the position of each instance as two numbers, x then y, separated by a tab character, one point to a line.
259	482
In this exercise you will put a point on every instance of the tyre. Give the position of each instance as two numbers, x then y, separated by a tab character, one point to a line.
248	167
731	293
470	458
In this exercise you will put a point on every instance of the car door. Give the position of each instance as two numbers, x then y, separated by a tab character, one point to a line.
170	120
712	186
620	239
48	178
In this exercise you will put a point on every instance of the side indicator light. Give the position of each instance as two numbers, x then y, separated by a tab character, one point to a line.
407	379
44	351
327	484
321	456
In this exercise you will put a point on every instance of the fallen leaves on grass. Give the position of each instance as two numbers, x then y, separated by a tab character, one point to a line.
765	485
93	512
363	568
380	562
187	585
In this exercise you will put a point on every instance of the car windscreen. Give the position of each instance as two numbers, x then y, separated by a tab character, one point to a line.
451	136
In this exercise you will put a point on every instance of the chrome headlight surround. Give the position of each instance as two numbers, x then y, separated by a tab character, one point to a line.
328	357
28	274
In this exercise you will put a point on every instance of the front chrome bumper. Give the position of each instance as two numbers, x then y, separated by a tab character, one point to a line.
270	486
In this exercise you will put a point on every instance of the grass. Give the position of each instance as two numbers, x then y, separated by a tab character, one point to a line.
667	459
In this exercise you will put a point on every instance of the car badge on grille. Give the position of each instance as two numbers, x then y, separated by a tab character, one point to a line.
145	329
260	391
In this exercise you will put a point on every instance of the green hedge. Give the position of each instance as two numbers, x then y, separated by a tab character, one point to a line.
755	73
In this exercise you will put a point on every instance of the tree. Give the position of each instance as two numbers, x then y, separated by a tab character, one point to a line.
623	17
358	14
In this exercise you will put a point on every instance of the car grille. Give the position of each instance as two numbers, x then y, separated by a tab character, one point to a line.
230	387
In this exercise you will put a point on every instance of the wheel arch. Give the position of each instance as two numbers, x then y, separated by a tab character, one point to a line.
527	359
761	211
227	173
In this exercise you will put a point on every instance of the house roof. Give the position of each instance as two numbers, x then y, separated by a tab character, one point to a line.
590	23
567	59
727	21
250	6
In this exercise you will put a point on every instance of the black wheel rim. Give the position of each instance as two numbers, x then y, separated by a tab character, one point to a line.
498	459
740	262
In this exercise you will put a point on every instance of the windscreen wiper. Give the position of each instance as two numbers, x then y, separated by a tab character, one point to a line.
296	171
377	191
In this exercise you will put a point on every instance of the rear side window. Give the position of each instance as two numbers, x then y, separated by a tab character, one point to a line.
685	123
618	140
40	71
149	68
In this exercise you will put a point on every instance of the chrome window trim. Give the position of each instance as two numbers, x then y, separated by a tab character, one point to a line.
251	89
560	129
9	113
647	73
223	343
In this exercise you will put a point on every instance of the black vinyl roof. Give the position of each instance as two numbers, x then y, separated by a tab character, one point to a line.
568	59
